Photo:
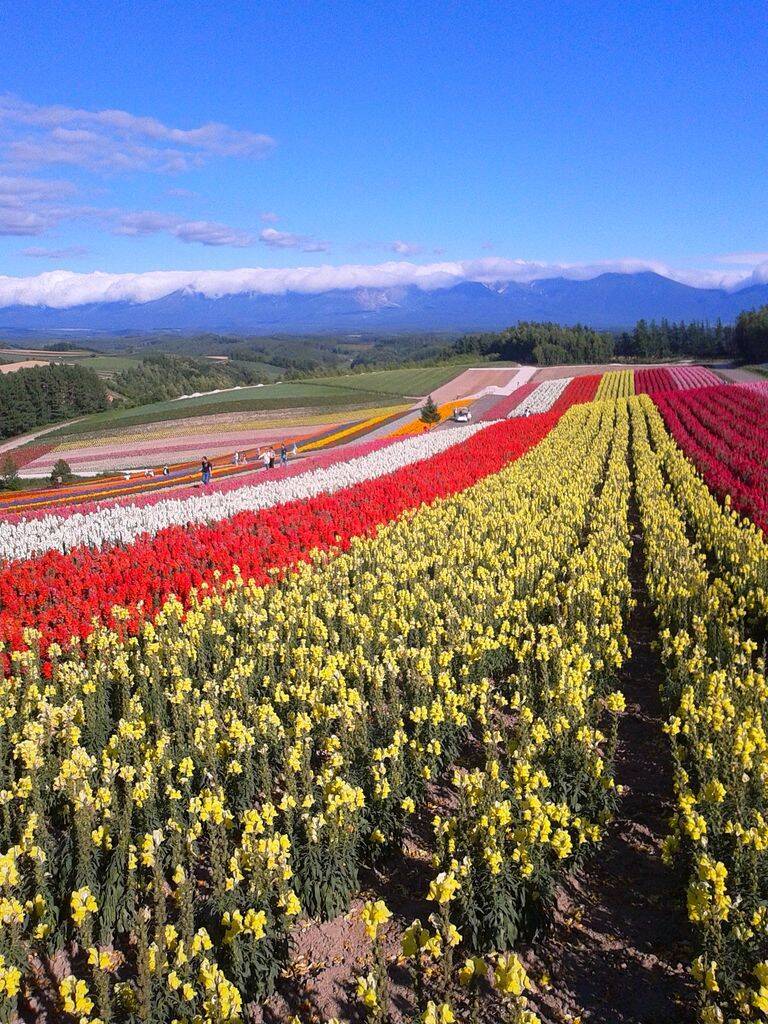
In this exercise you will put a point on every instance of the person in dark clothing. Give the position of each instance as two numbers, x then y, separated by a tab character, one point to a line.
206	469
283	455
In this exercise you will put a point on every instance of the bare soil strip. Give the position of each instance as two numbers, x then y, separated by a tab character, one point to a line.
619	949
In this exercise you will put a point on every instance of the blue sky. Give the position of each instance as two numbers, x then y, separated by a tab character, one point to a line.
352	133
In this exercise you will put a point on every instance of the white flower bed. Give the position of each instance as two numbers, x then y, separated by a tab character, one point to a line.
542	398
123	524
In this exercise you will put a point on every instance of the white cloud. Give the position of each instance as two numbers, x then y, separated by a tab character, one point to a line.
150	222
145	222
25	204
66	252
64	288
115	140
19	191
743	259
209	233
287	240
405	248
268	217
22	222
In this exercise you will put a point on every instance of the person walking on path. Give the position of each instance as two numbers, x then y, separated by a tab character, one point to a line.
283	455
206	469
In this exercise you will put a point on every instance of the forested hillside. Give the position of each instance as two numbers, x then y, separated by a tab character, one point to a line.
47	394
546	344
160	377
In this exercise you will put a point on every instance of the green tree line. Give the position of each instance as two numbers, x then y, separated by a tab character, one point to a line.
47	394
549	344
160	377
750	335
546	344
665	339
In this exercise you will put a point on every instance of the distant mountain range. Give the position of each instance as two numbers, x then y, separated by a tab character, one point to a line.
607	301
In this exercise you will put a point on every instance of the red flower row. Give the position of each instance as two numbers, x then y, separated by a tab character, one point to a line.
577	392
63	595
508	403
724	431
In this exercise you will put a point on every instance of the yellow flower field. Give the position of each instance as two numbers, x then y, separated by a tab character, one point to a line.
180	799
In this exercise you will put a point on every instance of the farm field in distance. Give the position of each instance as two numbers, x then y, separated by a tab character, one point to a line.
373	822
105	366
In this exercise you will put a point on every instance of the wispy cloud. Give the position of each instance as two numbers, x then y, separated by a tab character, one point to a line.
287	240
405	248
209	233
29	206
743	259
62	288
182	193
37	252
150	222
16	191
268	217
116	140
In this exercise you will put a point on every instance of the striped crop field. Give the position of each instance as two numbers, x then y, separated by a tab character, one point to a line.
390	715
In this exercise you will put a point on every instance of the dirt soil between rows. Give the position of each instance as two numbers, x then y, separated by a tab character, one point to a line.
621	946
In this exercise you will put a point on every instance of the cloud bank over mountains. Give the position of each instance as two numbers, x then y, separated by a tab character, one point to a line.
62	289
100	148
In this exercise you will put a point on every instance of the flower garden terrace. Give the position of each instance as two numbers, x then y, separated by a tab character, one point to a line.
272	708
141	461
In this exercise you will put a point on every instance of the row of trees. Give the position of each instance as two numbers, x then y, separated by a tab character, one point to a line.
48	394
663	340
546	344
750	335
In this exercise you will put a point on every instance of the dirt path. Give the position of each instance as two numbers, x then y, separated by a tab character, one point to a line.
619	949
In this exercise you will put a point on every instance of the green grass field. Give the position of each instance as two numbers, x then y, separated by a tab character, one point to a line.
414	382
105	366
367	389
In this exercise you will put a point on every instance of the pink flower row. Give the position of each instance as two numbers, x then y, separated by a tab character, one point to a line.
294	468
673	378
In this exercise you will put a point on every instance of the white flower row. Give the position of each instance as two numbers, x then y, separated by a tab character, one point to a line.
542	398
123	524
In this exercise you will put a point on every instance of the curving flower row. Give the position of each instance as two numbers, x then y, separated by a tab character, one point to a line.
616	384
542	398
658	379
62	595
506	404
724	431
707	575
121	525
578	390
178	488
174	800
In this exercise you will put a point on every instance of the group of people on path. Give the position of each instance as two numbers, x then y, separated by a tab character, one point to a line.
268	458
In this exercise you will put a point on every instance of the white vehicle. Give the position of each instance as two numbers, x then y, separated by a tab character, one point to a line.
462	415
